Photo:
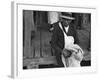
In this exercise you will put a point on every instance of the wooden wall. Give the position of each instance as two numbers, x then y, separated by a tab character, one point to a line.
28	27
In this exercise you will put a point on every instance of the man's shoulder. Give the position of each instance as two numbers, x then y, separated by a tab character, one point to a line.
72	26
56	25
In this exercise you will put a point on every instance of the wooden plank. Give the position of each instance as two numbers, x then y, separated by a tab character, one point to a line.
29	26
39	61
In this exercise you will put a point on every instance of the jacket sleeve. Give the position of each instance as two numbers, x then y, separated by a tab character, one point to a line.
54	40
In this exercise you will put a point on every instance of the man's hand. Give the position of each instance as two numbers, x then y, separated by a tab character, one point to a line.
66	53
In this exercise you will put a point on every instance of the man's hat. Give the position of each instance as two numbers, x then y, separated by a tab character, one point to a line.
67	15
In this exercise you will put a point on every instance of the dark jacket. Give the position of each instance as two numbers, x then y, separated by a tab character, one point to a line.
57	41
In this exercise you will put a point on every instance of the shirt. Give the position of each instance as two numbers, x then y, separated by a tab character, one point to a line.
69	40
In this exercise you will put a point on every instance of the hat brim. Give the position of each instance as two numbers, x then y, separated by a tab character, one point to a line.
67	17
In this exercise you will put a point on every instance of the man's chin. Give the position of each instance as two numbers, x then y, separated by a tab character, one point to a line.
66	25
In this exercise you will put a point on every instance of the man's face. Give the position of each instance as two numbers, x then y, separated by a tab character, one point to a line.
65	22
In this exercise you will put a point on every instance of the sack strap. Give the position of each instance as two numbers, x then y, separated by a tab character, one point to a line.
64	29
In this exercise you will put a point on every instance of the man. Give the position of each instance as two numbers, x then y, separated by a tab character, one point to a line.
61	30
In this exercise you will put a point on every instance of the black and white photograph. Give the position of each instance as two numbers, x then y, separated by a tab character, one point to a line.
50	40
56	39
53	40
